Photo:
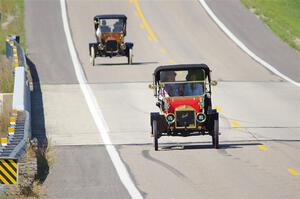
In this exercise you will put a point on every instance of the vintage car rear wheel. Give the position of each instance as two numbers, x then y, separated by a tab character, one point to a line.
215	134
92	56
155	134
130	56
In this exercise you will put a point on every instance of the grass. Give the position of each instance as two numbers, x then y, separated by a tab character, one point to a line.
6	76
6	86
282	16
4	120
12	21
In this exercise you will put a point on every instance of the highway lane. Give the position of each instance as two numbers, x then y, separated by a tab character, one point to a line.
116	69
257	146
81	167
259	117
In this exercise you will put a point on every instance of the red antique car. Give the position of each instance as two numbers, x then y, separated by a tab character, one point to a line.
183	95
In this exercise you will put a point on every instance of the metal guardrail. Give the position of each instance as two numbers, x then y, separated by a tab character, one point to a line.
17	141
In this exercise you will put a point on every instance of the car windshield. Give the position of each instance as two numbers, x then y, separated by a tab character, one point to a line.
111	25
182	83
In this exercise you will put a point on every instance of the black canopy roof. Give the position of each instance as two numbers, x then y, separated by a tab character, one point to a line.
179	67
118	16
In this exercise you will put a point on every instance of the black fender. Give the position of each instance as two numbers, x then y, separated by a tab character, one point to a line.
129	45
161	121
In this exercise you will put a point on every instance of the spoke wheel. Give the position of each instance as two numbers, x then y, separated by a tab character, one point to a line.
92	56
130	55
155	135
215	134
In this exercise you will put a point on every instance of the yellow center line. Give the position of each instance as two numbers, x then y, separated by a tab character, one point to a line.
162	50
219	109
234	123
149	38
294	172
141	26
262	147
146	25
171	61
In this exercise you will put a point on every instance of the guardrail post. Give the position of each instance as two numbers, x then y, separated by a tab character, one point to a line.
15	56
8	47
11	130
12	121
3	141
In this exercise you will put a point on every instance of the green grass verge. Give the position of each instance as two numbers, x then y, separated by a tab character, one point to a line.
12	21
6	75
282	16
6	86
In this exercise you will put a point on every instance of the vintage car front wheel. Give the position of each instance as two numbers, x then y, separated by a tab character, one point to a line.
92	56
155	134
130	55
215	134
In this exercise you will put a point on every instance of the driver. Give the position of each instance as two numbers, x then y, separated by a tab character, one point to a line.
170	88
118	26
102	28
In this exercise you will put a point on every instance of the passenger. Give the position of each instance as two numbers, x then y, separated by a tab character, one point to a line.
102	28
170	89
193	88
118	26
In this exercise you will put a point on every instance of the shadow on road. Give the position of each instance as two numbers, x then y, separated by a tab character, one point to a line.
38	129
208	145
124	64
221	146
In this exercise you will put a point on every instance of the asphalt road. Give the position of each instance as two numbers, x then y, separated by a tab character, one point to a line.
260	117
257	36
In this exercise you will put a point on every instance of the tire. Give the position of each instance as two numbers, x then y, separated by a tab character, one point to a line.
215	134
130	55
155	135
92	56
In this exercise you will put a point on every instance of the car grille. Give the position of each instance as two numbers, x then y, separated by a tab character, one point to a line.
185	119
111	45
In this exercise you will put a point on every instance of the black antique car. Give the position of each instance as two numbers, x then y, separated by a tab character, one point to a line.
183	95
110	31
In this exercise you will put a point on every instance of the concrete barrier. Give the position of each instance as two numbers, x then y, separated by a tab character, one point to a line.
21	97
21	101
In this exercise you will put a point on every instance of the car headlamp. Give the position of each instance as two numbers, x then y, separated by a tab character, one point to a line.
101	46
170	118
201	117
123	46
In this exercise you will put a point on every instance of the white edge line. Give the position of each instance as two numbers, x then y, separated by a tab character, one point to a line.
242	46
96	112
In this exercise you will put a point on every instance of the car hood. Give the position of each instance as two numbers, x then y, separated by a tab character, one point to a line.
179	102
111	36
